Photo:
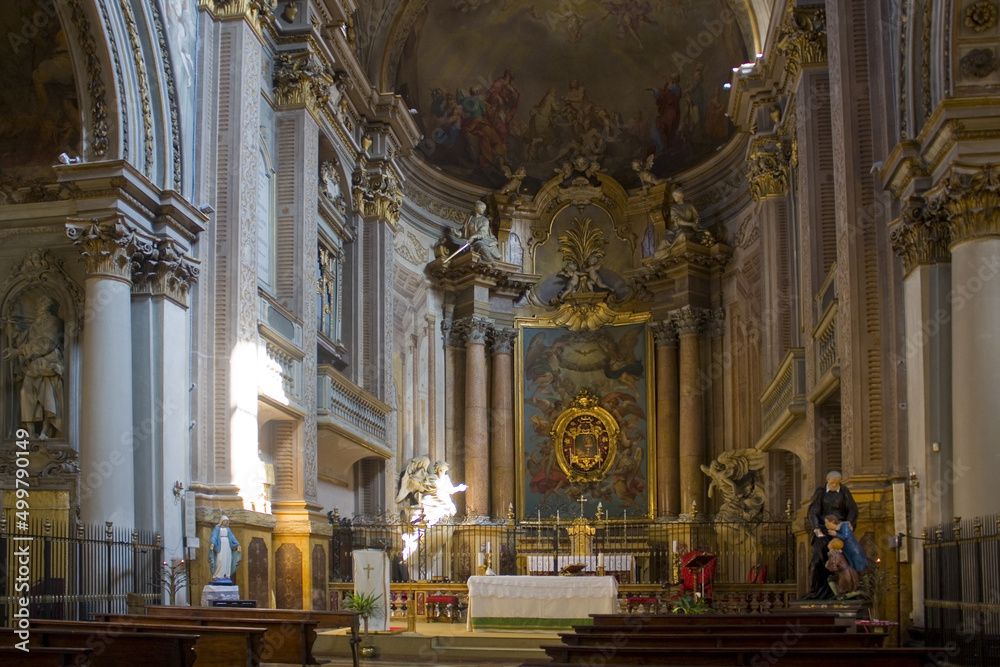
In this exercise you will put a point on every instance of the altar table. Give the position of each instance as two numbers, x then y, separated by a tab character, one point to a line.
538	603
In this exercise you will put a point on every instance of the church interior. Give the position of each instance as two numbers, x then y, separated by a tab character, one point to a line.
688	298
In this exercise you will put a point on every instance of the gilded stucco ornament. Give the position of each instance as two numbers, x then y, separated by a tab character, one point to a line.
585	439
981	16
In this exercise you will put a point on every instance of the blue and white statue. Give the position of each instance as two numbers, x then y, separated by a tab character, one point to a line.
224	552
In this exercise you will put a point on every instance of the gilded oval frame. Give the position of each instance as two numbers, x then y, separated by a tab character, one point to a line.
584	417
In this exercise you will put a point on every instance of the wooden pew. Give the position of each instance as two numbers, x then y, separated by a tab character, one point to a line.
113	646
326	620
745	640
714	629
286	640
794	656
41	656
216	646
674	620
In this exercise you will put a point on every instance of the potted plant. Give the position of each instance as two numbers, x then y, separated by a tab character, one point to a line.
367	605
690	604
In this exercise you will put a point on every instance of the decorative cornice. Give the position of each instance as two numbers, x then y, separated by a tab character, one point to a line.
109	246
803	38
689	320
922	233
166	271
665	333
972	200
502	340
300	80
377	195
256	12
768	174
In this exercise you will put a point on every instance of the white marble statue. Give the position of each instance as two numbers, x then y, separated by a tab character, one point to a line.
36	354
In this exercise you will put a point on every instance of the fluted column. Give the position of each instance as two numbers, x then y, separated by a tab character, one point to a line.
107	482
691	427
502	426
668	472
971	201
477	439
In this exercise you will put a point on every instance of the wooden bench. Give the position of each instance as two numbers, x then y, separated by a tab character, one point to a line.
216	646
721	640
115	647
286	640
325	620
41	656
714	629
794	656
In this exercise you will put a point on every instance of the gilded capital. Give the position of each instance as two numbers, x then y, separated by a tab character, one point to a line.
256	12
665	333
803	37
503	340
109	246
972	201
299	80
922	233
377	195
689	320
768	173
166	272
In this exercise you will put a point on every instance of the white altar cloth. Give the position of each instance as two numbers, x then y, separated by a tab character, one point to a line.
542	564
538	603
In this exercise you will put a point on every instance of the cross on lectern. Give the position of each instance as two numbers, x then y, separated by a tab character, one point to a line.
582	501
368	570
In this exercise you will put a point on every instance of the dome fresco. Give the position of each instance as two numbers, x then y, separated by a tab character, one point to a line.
500	85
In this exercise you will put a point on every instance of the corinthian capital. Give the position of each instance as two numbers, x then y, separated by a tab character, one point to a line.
972	200
377	195
922	233
665	333
689	320
256	12
503	340
110	246
768	173
478	328
300	81
803	37
166	271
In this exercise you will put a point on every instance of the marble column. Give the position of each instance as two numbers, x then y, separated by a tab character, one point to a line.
975	335
502	426
107	482
477	437
453	334
668	472
432	435
691	427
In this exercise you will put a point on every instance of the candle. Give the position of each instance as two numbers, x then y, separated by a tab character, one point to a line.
600	560
489	548
675	546
480	559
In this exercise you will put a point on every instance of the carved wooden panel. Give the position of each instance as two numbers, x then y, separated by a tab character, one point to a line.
318	577
258	588
288	577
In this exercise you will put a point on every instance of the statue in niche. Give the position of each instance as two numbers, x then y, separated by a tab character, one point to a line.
36	357
685	221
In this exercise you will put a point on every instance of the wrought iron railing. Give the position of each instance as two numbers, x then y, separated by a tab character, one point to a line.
74	571
636	552
962	590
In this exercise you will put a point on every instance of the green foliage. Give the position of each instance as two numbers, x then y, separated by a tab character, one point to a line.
366	604
690	605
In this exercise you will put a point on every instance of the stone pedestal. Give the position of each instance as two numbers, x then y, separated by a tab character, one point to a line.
217	591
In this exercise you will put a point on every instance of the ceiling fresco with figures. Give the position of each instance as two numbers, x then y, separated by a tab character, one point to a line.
500	85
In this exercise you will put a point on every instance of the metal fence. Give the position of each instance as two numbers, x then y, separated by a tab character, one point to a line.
635	551
68	572
962	590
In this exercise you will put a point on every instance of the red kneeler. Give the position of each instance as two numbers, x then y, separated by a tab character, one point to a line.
437	604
